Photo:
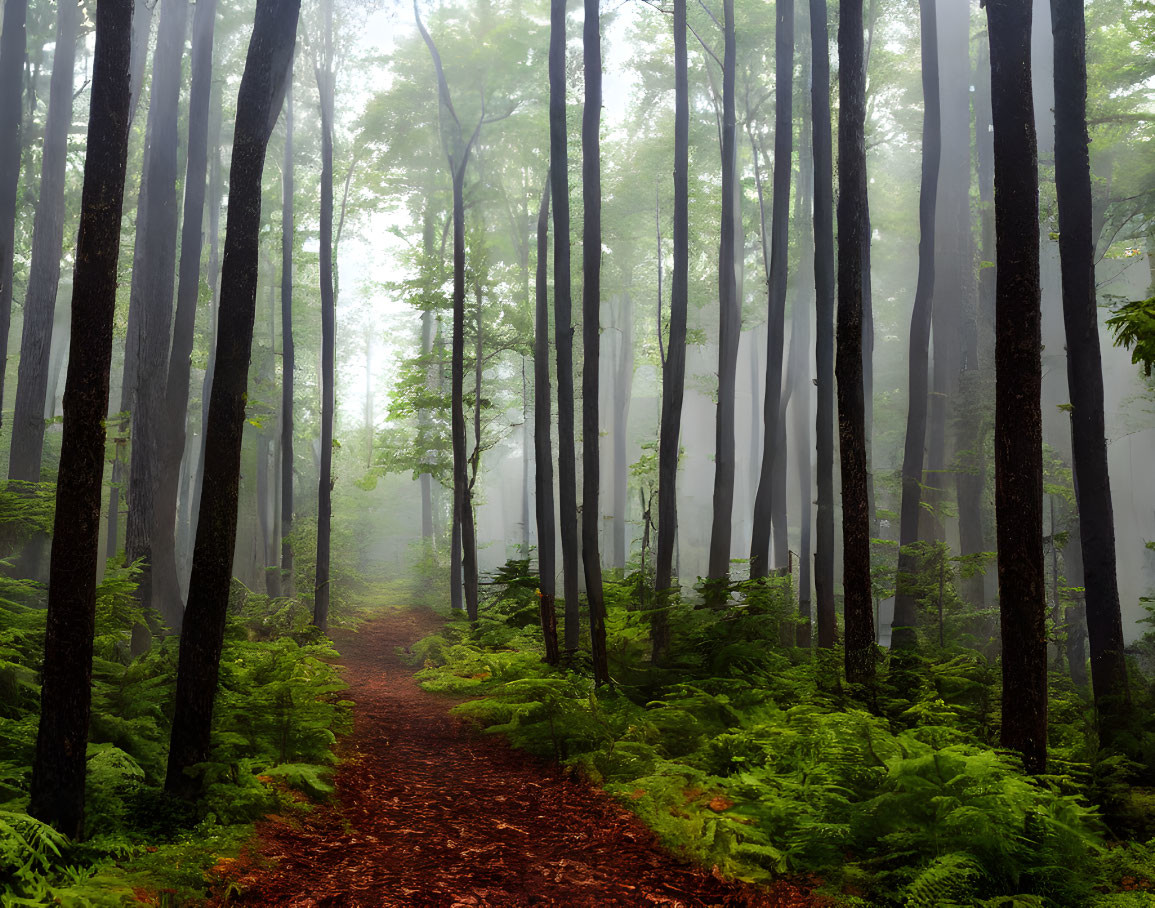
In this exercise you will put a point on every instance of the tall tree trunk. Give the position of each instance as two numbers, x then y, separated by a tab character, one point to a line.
141	32
903	634
729	325
12	49
772	405
288	347
1085	370
166	584
258	104
44	269
325	88
674	367
543	457
563	325
824	321
623	379
152	297
1018	363
591	333
853	276
58	769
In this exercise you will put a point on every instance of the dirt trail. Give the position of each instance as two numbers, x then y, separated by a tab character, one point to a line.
431	813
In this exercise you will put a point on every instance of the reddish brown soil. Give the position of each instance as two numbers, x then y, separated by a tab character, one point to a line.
431	813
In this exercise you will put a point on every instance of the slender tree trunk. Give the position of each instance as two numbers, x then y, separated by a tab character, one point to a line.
1018	420
824	321
288	347
772	405
152	297
526	495
905	603
543	457
853	276
729	325
12	48
563	325
674	367
258	104
623	380
591	334
44	269
171	443
325	88
58	770
141	32
1085	370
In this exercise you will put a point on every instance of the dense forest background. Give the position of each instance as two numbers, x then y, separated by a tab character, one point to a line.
741	381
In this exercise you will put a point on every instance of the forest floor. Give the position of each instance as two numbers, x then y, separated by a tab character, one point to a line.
429	812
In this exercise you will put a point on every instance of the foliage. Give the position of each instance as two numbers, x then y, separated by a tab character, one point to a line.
1134	327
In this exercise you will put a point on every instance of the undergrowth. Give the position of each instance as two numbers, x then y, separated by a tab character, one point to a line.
748	755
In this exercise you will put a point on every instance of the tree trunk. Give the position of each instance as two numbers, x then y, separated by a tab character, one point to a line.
44	269
824	321
12	49
1018	420
563	325
853	276
543	457
591	334
58	769
152	297
1085	370
623	380
258	104
773	448
166	584
729	325
903	634
674	367
325	89
288	347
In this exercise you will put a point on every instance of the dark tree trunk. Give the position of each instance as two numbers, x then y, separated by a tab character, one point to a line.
729	325
325	89
773	449
258	104
288	348
58	769
44	269
563	324
824	321
903	634
853	276
1018	364
591	334
543	457
166	595
623	379
152	297
674	367
1085	370
12	49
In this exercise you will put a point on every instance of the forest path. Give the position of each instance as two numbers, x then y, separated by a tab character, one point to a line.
430	813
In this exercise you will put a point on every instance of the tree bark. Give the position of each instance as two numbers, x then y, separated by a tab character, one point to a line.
44	269
58	770
903	634
563	325
773	451
729	325
543	457
591	334
288	347
1018	420
824	321
853	276
171	443
674	367
258	104
12	49
1085	369
325	89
